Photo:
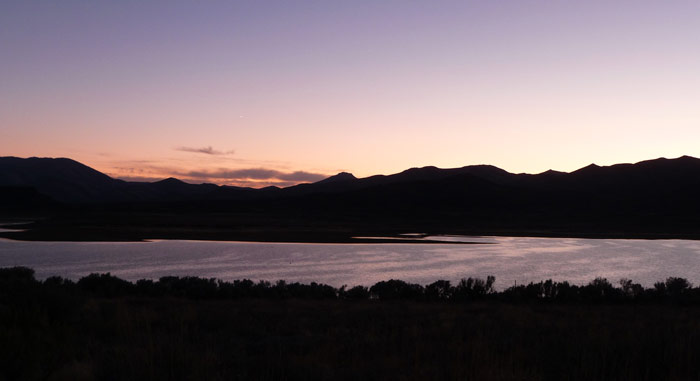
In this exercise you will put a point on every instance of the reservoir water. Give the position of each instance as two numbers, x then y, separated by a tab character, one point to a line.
509	259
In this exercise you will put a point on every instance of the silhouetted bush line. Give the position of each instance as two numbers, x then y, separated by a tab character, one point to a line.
18	281
105	328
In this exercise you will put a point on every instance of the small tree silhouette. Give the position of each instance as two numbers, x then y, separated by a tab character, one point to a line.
439	290
629	289
676	287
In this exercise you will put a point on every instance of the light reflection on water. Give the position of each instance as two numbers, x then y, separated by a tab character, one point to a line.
510	259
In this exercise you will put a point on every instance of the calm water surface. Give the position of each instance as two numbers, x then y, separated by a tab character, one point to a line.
510	259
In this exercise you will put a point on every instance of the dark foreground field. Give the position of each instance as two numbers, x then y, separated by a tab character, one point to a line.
97	329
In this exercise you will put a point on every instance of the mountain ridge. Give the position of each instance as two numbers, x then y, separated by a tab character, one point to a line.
651	199
70	181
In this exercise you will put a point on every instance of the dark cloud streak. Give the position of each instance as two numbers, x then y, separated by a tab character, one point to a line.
205	150
256	174
144	170
301	176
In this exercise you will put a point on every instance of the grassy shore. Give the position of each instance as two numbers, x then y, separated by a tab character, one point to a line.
102	327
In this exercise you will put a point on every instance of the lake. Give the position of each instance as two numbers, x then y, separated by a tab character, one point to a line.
510	259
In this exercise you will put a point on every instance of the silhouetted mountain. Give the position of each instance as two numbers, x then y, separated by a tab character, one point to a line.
651	195
342	177
62	179
69	181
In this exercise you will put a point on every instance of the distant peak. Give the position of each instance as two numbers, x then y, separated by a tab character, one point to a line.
426	169
589	167
483	169
342	176
552	172
170	180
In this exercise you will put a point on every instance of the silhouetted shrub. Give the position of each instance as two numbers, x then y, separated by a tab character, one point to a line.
105	285
17	284
439	290
238	289
675	287
566	292
631	290
396	289
474	288
357	292
15	278
599	289
58	282
148	287
13	275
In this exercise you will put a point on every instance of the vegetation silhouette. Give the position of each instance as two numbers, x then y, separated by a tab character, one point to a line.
18	281
103	327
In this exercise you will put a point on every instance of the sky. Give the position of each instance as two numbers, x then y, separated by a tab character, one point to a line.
258	93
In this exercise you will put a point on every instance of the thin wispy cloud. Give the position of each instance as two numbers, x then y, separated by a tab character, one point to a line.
255	174
301	176
138	179
209	150
256	177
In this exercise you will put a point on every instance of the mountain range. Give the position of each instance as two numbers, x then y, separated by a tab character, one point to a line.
649	197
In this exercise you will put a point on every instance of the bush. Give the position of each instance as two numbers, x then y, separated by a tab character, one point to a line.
105	285
396	289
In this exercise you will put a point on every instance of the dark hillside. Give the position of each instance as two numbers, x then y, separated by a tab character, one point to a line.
650	199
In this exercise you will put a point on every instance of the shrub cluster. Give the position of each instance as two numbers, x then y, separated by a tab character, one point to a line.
17	282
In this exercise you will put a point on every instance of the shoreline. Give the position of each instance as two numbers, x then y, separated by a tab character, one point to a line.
319	237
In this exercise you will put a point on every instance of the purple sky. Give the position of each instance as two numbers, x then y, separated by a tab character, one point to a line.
262	92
